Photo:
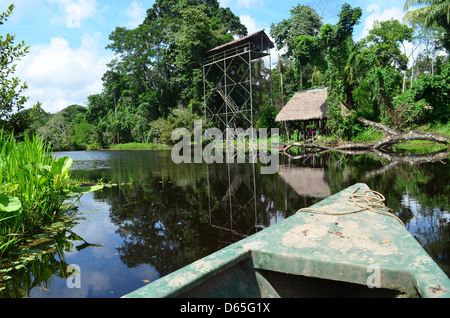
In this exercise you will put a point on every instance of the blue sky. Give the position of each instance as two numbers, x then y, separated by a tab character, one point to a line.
67	38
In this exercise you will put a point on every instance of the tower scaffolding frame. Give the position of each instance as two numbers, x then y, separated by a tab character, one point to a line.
230	83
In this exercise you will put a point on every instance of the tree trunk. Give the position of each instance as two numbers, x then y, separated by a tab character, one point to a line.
404	82
281	71
301	77
282	90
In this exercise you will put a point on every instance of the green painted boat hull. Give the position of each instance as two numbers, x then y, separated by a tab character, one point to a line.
364	254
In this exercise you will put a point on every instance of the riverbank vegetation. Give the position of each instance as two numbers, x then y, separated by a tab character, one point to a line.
33	190
36	191
140	146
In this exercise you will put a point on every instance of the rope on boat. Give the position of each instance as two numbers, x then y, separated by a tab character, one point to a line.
368	200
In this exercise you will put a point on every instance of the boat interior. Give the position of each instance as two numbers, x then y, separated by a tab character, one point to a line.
244	281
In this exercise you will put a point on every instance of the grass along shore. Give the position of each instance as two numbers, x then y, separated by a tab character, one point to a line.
140	146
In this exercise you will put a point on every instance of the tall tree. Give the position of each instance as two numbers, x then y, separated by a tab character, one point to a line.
335	42
386	60
11	88
192	41
429	38
306	50
159	66
165	51
303	21
297	35
384	40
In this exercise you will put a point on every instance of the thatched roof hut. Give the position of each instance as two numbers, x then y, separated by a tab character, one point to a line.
306	105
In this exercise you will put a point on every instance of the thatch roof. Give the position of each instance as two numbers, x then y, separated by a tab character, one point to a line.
306	105
312	182
260	38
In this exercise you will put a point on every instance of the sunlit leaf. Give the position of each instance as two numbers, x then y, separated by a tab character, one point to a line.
62	166
57	181
9	204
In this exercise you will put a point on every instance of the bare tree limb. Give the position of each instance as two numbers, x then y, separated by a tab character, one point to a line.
378	125
393	137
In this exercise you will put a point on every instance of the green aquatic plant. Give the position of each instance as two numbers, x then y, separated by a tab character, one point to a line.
34	187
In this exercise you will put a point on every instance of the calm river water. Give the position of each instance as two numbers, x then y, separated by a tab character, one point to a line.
162	216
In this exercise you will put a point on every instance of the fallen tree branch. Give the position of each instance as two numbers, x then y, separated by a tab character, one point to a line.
378	125
376	148
396	137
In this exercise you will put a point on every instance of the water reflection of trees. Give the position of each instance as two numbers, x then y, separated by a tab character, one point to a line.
423	180
431	227
170	215
170	221
159	221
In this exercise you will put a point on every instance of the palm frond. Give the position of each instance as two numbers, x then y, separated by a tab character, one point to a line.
415	3
432	11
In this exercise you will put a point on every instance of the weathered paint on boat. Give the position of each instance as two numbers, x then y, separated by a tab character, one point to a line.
313	254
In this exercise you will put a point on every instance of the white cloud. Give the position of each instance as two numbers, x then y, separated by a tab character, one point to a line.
224	3
248	3
241	3
250	23
378	15
59	75
136	12
383	15
73	10
21	8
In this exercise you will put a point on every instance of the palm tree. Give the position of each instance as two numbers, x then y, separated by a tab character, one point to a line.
432	10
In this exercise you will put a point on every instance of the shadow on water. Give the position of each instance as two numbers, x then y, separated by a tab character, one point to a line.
164	216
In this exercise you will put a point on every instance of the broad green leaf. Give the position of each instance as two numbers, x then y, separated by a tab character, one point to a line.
9	204
62	166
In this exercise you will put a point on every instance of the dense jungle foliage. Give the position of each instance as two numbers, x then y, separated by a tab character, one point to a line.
156	83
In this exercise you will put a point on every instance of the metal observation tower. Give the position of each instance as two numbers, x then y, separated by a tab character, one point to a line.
233	80
237	81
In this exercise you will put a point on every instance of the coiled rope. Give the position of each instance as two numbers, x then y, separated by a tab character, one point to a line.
368	200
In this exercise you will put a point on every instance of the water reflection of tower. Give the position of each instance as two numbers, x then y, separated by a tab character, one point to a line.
232	201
